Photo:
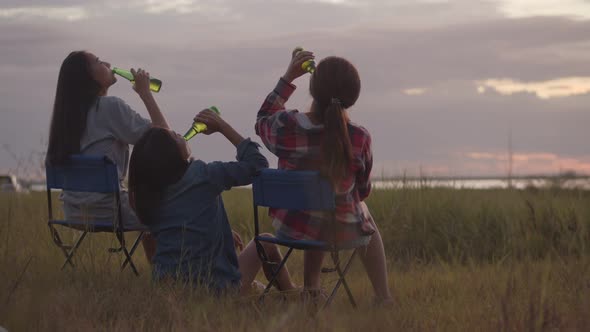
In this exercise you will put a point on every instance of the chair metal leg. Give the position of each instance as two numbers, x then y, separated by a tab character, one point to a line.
128	258
135	244
73	250
274	275
345	284
57	240
341	280
121	238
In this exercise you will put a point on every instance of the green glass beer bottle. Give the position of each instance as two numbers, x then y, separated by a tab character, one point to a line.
309	65
198	127
155	84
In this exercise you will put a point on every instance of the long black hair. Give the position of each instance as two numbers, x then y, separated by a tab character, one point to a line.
156	163
76	92
335	86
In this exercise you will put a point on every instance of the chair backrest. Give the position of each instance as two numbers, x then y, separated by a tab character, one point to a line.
293	190
84	173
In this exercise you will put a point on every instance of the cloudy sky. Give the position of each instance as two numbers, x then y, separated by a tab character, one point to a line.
445	84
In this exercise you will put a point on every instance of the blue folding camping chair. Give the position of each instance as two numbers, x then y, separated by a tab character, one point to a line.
85	173
301	190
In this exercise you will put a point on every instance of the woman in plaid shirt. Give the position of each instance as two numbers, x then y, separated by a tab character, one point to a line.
325	139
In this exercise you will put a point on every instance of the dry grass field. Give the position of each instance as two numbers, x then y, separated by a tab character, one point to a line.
485	260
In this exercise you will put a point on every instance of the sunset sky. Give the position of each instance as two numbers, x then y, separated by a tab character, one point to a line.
444	83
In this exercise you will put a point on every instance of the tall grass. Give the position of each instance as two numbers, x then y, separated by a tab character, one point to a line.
483	226
458	260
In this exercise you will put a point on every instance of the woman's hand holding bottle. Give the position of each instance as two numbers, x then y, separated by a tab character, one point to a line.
295	70
216	124
141	82
213	121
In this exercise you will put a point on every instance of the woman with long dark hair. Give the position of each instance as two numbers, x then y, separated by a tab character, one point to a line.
325	139
87	121
180	200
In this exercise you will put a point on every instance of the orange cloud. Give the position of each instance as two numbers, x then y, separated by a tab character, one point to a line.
560	87
414	91
528	163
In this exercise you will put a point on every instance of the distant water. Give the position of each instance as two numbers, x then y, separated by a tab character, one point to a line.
580	183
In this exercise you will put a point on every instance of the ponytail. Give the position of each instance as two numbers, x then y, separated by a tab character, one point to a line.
335	86
336	148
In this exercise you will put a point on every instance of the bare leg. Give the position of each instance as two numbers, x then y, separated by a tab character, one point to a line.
312	267
373	258
249	264
149	246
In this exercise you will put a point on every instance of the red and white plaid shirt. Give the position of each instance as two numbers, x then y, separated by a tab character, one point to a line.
292	137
